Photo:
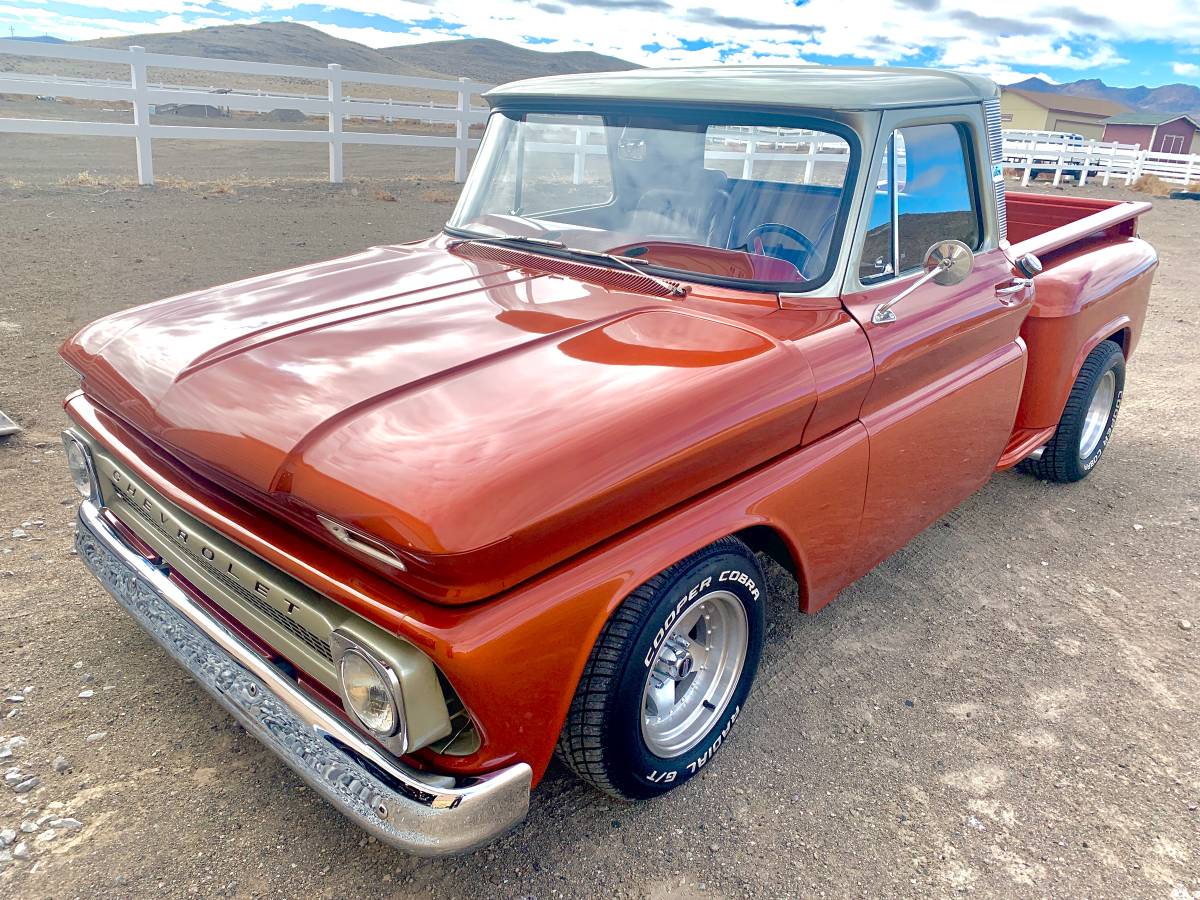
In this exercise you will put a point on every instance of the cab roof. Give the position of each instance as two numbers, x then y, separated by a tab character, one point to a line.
820	87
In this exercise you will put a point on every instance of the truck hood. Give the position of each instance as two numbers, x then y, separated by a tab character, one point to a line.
484	419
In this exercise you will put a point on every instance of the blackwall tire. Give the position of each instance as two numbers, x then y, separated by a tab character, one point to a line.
1087	421
669	675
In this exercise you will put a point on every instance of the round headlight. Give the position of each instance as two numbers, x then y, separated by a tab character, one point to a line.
366	691
78	464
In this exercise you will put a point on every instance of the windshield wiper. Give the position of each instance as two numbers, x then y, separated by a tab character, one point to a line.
509	238
671	288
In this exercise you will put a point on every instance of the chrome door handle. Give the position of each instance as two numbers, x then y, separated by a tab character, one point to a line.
1013	292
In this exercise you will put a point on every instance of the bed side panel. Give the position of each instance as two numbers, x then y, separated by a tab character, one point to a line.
1096	290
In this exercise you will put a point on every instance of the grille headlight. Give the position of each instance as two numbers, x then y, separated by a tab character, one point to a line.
369	689
80	463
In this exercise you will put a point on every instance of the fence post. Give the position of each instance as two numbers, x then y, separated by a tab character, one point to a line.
1028	163
141	115
1139	163
1187	172
748	162
335	123
1087	163
462	131
813	149
577	169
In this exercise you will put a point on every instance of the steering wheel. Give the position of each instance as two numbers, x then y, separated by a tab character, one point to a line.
754	237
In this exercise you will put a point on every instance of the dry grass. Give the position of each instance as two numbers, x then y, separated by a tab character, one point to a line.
428	190
438	195
87	179
1154	186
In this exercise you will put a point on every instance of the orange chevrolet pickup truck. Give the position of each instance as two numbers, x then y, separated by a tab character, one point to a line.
427	515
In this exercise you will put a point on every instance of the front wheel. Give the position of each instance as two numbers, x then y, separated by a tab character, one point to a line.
1087	420
669	674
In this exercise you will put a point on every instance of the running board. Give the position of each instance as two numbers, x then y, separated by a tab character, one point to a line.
1028	443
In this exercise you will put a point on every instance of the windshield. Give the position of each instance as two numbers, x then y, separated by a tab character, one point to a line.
705	197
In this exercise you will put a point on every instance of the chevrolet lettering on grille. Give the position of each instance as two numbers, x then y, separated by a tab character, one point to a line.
241	573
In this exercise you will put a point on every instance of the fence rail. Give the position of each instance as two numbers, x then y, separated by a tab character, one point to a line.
1034	152
1029	152
336	107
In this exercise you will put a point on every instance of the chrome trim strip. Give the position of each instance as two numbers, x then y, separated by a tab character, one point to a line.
396	804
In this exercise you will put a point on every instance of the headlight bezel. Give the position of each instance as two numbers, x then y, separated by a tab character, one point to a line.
374	680
395	738
83	469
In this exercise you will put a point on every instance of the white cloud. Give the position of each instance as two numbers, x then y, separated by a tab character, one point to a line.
1187	70
1005	40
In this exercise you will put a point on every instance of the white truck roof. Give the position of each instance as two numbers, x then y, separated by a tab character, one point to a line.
777	87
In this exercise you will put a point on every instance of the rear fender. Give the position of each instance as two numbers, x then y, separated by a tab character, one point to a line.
1083	298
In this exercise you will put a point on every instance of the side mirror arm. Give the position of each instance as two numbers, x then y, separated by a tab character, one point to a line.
883	312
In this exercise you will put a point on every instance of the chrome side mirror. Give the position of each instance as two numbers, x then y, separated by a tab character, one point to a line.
946	263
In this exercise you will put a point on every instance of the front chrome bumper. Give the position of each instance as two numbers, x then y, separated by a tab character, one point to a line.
396	804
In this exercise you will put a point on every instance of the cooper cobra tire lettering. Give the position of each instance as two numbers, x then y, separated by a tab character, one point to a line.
741	578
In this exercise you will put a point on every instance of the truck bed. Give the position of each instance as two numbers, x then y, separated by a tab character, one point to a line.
1043	223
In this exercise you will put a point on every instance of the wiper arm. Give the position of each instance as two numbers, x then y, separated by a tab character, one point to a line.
670	287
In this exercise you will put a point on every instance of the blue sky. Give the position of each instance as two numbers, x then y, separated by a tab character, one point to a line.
1006	39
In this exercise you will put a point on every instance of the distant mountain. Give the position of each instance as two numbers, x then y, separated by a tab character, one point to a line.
285	43
496	62
1170	98
38	39
292	44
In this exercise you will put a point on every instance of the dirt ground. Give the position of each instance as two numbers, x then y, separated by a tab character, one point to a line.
1006	707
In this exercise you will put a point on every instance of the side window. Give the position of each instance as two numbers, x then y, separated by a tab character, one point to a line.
935	199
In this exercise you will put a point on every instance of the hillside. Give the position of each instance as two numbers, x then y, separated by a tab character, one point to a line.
293	44
1170	98
273	42
496	62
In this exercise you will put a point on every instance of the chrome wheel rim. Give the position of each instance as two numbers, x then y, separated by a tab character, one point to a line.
1095	421
694	673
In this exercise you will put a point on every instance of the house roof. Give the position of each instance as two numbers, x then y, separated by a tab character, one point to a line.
822	87
1069	103
1151	118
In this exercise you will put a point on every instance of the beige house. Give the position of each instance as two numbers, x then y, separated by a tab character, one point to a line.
1038	111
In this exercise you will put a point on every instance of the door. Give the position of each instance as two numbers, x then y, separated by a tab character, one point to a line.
1171	143
949	368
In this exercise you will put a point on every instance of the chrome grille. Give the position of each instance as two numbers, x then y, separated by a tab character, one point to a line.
295	628
991	111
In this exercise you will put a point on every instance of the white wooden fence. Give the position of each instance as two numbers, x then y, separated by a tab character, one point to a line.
1028	152
335	107
1034	152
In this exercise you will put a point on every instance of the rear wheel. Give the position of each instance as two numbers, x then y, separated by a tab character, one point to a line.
669	674
1087	420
